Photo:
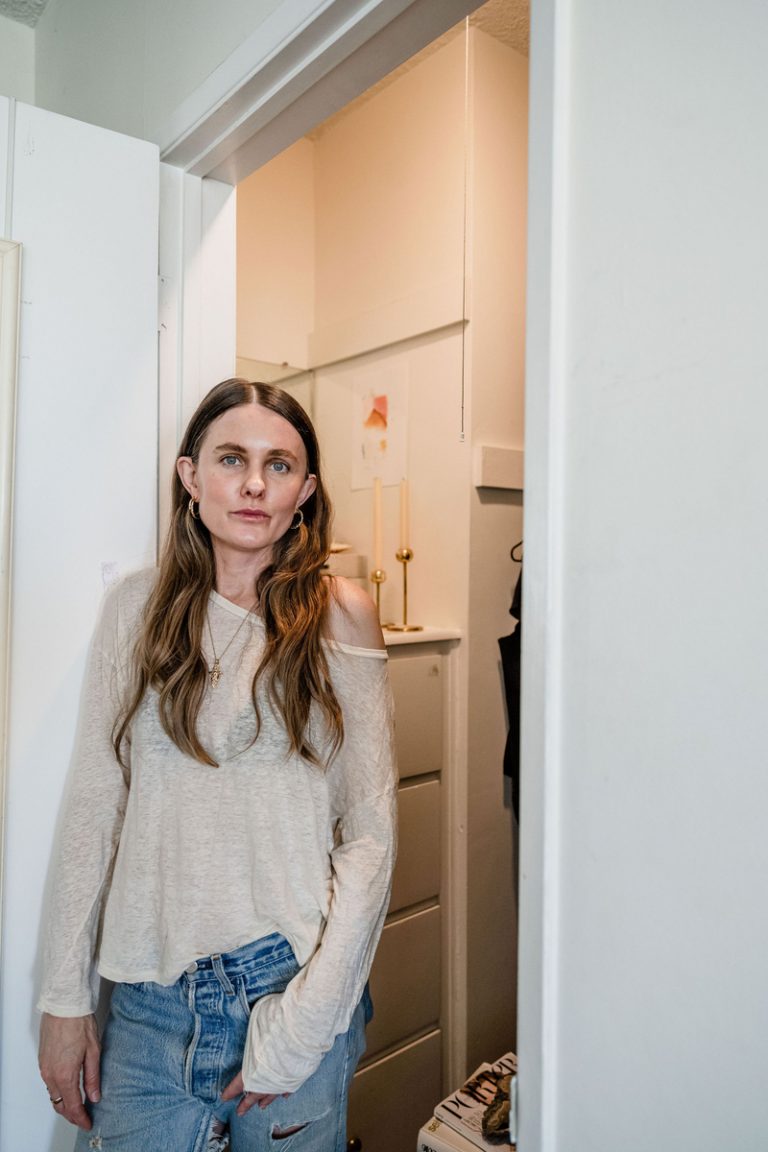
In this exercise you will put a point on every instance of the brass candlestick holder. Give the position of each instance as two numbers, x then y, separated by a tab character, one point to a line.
377	577
405	555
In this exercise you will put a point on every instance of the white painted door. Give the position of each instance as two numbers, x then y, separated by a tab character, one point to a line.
643	994
83	202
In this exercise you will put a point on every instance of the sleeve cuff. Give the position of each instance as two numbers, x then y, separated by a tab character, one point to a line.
54	1008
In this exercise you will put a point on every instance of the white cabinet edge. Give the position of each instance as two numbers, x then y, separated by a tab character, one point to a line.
427	635
498	467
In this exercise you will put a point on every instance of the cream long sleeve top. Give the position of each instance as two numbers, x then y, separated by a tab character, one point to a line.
171	860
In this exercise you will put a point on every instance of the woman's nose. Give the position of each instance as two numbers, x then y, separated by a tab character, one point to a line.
254	482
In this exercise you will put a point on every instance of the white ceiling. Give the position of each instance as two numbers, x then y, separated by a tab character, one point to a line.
507	20
25	11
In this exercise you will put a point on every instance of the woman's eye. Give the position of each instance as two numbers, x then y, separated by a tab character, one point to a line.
280	466
230	459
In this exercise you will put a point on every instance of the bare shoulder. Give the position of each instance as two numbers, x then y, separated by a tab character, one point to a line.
352	617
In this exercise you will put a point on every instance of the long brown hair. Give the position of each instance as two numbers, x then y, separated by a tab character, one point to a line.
292	597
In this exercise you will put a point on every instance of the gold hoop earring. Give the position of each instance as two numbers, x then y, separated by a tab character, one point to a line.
191	509
300	514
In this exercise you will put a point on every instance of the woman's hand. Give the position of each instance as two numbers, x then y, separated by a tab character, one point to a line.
237	1088
69	1049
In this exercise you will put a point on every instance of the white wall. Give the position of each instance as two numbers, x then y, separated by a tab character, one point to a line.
655	902
85	497
129	66
17	60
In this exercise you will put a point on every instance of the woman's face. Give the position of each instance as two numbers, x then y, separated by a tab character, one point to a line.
249	479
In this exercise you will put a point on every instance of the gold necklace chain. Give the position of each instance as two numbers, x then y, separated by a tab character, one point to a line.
215	673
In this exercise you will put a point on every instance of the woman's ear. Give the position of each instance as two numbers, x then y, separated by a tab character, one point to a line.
307	489
187	474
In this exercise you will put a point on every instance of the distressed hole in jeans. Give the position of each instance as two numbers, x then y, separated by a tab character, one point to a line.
95	1141
279	1133
218	1137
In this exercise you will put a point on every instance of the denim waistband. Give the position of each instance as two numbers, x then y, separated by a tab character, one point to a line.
241	960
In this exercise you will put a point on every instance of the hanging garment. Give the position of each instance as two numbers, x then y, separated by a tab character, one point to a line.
510	664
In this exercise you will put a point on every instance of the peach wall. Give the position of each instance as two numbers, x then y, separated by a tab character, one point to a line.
276	258
390	188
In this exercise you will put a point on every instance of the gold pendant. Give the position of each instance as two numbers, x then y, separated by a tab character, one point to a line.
215	672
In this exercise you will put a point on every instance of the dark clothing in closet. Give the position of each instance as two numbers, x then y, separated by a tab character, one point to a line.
510	663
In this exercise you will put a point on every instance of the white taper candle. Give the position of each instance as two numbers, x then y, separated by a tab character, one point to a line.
377	522
405	529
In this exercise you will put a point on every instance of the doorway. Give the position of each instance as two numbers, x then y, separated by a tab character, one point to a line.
387	248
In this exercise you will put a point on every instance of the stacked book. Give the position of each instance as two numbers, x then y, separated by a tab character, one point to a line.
482	1114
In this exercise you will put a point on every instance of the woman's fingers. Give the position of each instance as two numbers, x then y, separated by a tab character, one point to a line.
66	1101
69	1049
72	1108
251	1098
92	1070
236	1088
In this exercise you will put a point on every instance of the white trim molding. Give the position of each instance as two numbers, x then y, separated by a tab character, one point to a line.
302	64
197	306
546	400
10	294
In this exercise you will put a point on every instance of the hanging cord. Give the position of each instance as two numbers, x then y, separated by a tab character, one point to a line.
465	211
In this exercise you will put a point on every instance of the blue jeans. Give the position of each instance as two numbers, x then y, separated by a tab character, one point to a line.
169	1052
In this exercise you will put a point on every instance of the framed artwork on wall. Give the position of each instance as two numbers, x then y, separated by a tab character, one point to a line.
380	425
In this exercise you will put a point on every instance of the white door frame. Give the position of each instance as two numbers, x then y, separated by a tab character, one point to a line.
196	292
10	310
545	410
302	64
306	62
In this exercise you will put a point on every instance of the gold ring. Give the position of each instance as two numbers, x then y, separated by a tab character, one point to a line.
58	1100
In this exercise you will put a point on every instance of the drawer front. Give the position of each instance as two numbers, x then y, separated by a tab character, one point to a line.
417	872
417	685
405	981
391	1099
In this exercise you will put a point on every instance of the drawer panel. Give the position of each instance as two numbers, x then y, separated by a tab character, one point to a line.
417	685
405	980
391	1099
417	872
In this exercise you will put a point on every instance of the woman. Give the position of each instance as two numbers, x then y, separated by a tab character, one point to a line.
230	831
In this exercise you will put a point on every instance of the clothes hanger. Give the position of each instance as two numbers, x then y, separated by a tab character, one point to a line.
517	559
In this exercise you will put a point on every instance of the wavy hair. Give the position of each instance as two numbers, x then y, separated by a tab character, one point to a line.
292	597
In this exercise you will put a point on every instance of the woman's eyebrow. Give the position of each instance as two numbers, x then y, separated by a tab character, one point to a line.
230	447
238	448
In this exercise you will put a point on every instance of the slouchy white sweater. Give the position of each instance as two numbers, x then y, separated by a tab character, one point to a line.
180	861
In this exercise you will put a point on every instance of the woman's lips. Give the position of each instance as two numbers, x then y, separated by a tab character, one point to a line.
251	514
